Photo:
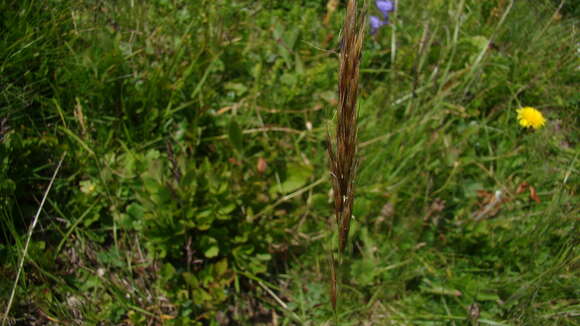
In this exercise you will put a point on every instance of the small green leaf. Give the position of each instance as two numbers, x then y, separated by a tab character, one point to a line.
289	79
235	135
298	176
135	211
290	37
438	289
167	271
238	88
224	213
263	257
189	181
221	267
204	219
150	185
190	279
209	247
487	297
212	252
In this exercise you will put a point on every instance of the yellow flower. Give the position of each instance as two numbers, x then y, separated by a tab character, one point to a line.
530	117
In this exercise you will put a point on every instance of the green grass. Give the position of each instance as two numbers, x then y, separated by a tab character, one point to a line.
163	214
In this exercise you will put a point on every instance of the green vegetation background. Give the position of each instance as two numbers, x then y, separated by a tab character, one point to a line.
195	184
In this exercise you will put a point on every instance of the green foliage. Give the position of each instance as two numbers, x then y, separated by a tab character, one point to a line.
195	132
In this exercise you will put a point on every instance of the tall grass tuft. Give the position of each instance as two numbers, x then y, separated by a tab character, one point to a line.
343	148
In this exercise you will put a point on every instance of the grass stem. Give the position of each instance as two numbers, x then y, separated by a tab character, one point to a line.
29	236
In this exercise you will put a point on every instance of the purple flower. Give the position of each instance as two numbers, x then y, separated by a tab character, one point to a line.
385	7
375	23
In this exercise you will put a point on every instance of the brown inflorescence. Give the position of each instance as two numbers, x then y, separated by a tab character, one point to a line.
342	150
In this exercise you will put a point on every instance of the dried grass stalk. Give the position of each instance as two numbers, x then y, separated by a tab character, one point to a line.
342	150
333	283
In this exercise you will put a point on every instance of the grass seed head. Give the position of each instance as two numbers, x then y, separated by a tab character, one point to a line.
342	150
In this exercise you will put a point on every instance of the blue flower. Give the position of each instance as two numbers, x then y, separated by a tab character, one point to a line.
375	23
385	7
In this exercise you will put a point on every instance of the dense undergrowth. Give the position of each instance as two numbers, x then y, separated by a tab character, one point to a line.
195	184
